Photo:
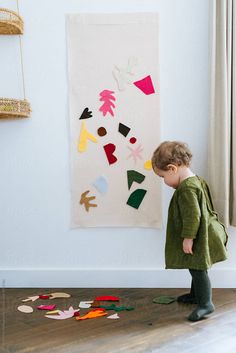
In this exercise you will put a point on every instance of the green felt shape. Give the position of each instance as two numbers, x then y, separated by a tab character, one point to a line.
136	198
164	300
132	176
117	308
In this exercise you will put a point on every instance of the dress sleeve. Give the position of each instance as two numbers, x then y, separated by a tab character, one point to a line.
190	213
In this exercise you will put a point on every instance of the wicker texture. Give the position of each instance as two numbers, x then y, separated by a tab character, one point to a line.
13	108
10	22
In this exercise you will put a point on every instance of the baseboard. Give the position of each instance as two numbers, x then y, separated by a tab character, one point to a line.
109	278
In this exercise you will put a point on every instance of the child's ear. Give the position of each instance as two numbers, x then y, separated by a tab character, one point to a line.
172	167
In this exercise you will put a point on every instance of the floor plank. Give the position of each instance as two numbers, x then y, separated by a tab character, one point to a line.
150	328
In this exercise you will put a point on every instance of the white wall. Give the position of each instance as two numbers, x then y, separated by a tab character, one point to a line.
37	246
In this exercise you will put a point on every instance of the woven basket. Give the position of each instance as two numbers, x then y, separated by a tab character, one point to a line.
14	108
10	22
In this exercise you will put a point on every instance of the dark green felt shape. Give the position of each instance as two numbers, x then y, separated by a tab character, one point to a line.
117	308
134	176
136	198
164	300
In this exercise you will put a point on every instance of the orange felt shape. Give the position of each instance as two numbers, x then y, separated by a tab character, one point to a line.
92	314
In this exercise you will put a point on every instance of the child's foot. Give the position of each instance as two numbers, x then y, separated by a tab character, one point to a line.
201	311
187	299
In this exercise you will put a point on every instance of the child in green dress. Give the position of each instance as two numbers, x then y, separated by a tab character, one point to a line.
195	239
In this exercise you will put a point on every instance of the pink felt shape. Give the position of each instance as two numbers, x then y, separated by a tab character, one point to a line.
46	307
145	85
108	297
109	149
107	97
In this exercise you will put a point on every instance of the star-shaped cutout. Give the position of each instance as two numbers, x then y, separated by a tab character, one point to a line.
135	153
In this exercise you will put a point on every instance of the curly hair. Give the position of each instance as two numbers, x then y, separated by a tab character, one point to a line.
171	152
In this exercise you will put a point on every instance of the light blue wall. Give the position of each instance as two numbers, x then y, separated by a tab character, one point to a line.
37	246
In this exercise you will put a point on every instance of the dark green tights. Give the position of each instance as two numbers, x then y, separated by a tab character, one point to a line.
200	294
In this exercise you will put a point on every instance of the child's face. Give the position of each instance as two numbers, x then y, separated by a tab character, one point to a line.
170	176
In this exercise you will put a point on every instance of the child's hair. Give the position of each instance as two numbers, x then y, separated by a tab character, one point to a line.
171	152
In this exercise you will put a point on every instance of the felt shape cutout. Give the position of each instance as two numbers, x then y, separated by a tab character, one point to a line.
59	295
124	76
97	309
84	200
101	131
107	97
44	296
84	136
25	309
123	129
134	176
86	304
52	312
107	298
145	85
136	198
31	298
148	165
117	308
109	149
164	299
132	140
135	153
114	316
92	314
63	315
46	307
101	185
86	114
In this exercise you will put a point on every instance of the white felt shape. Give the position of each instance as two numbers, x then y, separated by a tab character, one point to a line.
59	295
63	315
25	309
114	316
31	299
86	304
124	76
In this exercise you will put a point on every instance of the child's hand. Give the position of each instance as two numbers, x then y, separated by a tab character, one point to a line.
188	246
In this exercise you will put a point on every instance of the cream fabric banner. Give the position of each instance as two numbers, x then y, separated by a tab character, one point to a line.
114	119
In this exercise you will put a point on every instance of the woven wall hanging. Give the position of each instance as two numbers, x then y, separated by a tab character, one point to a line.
12	24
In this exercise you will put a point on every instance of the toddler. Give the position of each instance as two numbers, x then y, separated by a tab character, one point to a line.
195	239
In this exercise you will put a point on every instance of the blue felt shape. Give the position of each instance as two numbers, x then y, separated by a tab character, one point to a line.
101	184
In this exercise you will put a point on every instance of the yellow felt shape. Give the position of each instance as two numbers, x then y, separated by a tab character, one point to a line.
84	136
148	165
52	312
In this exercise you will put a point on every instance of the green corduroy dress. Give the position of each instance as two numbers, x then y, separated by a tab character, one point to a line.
191	215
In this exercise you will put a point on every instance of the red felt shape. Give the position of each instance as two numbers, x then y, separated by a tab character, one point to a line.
109	149
108	297
44	296
145	85
133	140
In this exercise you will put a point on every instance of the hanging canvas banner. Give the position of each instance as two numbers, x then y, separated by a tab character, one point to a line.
113	74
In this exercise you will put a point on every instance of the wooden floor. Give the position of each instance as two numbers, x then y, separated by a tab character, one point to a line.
150	328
